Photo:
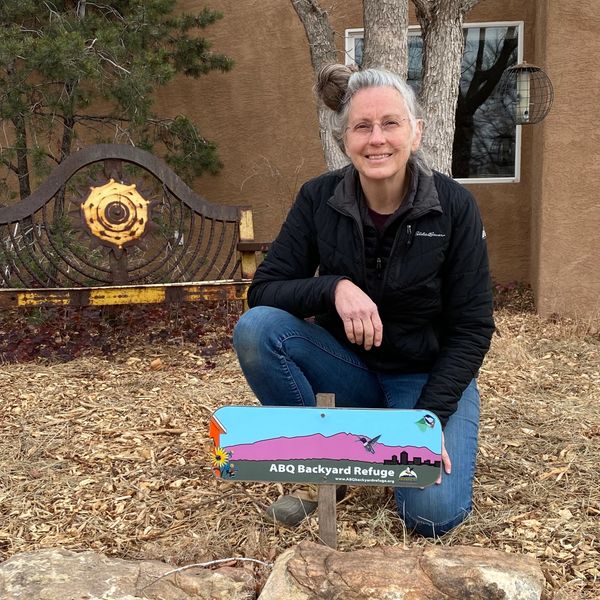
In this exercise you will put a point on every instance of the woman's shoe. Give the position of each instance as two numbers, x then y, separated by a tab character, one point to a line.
290	510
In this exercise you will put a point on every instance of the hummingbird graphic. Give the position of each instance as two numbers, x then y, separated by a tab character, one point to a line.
427	422
369	443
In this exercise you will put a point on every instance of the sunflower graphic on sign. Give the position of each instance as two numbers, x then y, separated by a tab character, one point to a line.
221	462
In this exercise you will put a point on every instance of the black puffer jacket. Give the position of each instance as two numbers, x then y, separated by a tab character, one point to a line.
433	294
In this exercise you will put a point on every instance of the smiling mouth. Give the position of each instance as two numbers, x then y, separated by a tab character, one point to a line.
377	156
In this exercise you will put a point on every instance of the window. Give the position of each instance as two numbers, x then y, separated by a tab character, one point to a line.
486	142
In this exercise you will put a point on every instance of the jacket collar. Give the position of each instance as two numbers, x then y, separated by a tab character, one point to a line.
346	195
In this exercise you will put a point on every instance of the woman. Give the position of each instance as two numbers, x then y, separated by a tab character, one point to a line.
402	302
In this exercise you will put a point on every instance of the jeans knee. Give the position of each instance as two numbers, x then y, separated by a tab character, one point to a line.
431	519
250	328
241	331
431	529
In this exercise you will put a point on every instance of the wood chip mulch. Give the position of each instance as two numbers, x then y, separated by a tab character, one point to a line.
105	447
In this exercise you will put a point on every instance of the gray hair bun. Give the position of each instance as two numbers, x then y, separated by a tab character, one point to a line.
331	85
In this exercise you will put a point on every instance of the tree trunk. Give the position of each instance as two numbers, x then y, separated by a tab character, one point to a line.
386	32
322	51
22	160
386	35
441	27
18	121
334	157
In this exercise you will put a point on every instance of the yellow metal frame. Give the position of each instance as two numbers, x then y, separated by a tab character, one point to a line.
126	294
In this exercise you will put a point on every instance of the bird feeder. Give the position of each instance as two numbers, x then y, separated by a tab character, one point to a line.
526	92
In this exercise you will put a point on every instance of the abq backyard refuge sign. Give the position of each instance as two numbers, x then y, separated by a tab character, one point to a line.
326	445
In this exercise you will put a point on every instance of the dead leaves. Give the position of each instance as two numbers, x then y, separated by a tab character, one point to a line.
557	472
110	452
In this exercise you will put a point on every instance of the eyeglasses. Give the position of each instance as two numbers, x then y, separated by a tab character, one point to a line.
364	129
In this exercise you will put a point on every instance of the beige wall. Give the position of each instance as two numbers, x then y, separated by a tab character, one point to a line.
566	210
262	117
260	114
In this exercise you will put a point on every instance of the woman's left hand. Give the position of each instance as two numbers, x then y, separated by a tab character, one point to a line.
445	461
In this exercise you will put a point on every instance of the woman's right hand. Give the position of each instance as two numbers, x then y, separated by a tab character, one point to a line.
359	314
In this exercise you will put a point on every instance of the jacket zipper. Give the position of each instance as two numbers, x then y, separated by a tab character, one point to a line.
408	243
380	272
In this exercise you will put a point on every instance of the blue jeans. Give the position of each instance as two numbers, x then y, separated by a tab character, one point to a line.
287	361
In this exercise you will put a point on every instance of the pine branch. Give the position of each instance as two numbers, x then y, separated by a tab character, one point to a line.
14	169
9	165
122	54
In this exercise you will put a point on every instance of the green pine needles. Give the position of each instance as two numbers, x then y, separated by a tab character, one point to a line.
74	70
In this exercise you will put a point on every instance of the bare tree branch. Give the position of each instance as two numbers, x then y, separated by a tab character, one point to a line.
318	32
423	9
322	51
9	165
114	64
52	10
467	5
208	564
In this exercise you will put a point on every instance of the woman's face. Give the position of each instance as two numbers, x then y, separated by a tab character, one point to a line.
379	137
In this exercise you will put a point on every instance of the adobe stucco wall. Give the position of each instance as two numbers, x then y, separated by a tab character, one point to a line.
566	209
262	117
260	114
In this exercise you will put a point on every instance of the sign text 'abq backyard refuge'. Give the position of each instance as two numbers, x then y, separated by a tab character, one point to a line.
326	445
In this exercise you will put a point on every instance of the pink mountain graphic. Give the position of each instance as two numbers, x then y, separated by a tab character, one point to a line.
341	446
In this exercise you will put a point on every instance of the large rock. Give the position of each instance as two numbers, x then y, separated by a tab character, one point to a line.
64	575
311	571
308	571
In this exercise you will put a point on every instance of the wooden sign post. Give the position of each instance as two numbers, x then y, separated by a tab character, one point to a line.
326	446
326	493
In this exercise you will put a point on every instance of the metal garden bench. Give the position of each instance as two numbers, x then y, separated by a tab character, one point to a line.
111	225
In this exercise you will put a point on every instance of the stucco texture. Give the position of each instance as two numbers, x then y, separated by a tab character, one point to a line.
566	211
261	114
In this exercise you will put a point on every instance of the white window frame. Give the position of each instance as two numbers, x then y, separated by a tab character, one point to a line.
358	32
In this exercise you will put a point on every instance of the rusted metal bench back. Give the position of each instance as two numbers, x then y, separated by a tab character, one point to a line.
113	224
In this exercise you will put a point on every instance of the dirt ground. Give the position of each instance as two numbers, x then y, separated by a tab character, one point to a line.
104	446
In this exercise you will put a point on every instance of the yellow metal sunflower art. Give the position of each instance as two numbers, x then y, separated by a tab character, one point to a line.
116	213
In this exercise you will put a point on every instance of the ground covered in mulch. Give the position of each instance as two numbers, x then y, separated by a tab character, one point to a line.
104	444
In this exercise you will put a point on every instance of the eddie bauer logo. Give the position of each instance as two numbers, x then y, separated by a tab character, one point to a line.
429	234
